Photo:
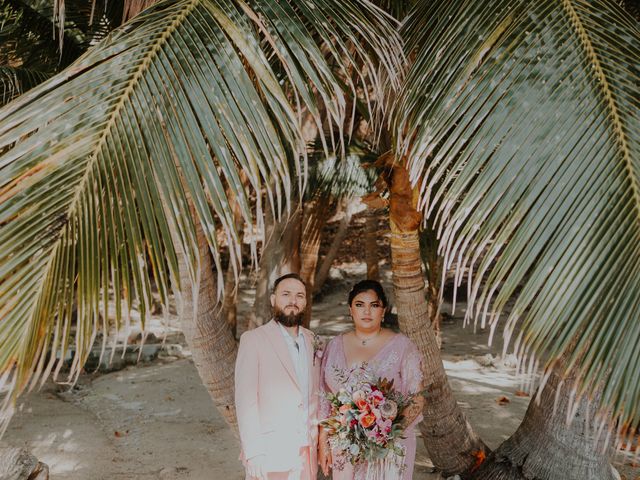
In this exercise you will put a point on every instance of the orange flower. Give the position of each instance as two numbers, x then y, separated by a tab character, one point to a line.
344	408
362	405
367	419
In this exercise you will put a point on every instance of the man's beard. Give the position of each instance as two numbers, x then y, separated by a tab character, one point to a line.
288	320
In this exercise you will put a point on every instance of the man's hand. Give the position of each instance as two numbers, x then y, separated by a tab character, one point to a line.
254	467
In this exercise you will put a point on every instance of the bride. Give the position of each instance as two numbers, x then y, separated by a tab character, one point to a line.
385	354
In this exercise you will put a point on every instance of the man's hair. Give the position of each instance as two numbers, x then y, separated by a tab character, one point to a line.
365	286
284	277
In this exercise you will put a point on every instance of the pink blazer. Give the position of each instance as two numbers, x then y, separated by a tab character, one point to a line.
268	399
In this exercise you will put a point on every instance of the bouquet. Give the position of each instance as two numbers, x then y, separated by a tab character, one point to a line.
365	422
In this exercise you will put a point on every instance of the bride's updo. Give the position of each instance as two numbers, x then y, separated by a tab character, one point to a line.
365	286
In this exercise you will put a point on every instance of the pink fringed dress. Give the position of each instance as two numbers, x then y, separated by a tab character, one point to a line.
398	359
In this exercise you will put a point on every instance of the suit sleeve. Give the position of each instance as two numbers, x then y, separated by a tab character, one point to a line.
246	397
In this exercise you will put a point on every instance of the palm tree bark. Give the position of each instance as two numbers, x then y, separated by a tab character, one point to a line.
206	331
371	254
449	439
434	264
280	255
545	447
270	259
313	221
19	464
229	308
341	233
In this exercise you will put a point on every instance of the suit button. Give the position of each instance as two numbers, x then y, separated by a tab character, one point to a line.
299	405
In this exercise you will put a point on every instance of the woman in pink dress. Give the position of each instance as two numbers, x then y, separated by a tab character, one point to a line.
385	354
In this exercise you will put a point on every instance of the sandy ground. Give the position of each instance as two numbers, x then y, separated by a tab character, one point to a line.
155	420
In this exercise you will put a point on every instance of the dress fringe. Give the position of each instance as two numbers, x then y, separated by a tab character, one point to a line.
391	467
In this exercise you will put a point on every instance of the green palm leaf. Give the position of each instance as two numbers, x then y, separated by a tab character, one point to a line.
15	81
343	177
26	38
104	160
522	130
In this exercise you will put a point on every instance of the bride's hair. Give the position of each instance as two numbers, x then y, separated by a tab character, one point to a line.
365	286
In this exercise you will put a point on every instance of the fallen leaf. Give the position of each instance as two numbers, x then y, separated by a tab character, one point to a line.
502	400
480	458
520	393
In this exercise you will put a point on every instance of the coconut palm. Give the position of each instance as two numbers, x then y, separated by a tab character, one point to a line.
152	125
520	128
120	169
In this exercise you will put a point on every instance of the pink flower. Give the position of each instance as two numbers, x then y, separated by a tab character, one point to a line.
373	433
384	425
376	397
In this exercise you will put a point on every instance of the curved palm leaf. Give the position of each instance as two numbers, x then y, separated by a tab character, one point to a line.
16	81
343	177
106	158
26	38
522	130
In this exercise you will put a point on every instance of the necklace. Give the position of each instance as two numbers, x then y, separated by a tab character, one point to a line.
364	341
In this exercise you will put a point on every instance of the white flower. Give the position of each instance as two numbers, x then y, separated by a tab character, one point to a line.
354	449
358	395
389	409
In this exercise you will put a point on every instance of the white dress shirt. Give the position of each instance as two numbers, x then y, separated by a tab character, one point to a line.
300	359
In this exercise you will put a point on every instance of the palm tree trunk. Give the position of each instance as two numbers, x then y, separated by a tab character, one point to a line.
207	333
313	221
545	447
371	254
18	464
229	309
343	228
291	234
450	441
280	255
434	264
270	258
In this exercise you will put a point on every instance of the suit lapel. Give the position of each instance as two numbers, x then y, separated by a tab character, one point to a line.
274	335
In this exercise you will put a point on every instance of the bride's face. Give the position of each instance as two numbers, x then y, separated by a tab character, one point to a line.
367	311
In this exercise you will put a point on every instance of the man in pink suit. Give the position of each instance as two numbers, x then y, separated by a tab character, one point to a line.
277	379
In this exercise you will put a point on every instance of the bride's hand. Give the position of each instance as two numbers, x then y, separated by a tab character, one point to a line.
325	459
324	452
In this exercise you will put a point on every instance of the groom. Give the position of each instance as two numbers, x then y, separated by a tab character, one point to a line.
277	382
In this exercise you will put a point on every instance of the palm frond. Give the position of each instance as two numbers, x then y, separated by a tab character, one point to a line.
520	122
27	38
343	177
106	158
16	81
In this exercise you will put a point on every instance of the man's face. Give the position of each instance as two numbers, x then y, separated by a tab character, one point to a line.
289	302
